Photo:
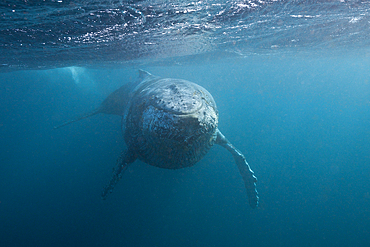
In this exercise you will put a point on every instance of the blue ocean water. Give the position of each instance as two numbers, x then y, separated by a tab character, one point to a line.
291	82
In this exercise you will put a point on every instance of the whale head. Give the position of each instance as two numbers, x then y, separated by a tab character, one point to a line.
176	123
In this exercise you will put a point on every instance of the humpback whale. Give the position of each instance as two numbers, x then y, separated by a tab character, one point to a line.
168	123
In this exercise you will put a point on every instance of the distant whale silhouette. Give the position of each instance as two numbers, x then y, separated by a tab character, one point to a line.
168	123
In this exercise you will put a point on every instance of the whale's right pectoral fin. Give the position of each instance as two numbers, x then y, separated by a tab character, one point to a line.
245	171
126	158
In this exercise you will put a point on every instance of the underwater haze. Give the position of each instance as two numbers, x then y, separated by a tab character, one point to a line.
291	82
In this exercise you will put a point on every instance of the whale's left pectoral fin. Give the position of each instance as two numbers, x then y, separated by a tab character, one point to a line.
115	104
126	158
244	169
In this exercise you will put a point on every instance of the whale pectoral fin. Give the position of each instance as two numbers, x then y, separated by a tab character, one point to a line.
244	169
126	158
90	114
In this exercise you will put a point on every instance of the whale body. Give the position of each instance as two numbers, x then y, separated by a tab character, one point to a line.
168	123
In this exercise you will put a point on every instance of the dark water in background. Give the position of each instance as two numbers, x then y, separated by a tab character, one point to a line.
303	125
299	113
